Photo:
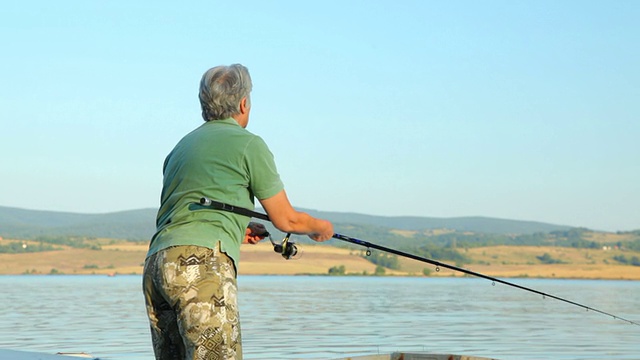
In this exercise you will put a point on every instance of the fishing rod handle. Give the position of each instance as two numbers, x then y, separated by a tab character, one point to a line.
204	201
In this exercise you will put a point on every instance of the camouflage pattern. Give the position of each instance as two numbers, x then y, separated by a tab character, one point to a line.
191	299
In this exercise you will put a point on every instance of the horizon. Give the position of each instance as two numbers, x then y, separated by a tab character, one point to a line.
259	209
509	110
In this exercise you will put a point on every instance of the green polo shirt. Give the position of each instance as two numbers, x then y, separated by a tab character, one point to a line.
224	162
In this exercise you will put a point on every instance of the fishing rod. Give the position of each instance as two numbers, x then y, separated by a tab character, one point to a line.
286	248
289	247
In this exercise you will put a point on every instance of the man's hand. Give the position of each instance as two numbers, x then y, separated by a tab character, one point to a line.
254	233
325	234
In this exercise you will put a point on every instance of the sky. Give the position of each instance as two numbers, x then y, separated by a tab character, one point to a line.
524	110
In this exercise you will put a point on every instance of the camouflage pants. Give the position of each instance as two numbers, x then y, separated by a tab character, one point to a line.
191	298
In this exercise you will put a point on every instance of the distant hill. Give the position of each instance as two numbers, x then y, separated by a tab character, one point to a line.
140	224
474	224
29	224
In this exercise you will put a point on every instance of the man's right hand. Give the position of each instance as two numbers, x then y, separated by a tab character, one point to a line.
325	234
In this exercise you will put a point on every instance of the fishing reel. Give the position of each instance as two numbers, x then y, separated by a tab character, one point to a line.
286	248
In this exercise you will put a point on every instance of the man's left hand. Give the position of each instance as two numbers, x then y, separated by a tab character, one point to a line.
255	233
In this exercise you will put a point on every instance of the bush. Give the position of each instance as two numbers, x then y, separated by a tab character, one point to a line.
547	259
17	247
384	260
379	271
635	261
337	270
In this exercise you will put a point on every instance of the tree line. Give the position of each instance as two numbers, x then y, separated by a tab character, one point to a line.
48	243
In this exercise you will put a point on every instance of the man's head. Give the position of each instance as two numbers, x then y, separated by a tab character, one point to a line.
225	92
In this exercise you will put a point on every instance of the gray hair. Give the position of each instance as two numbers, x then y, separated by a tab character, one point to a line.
221	90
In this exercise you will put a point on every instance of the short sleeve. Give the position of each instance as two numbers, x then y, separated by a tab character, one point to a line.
264	180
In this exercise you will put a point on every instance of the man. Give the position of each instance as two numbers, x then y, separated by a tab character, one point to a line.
190	272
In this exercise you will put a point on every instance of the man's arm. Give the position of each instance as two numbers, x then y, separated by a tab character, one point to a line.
286	219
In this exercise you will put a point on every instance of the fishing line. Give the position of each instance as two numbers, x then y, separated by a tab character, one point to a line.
242	211
469	272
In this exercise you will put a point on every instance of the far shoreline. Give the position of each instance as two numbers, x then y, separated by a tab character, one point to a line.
501	262
342	276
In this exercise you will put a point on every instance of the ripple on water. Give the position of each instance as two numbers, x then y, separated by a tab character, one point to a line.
331	317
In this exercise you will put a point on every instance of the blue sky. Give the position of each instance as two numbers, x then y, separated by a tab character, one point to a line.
523	110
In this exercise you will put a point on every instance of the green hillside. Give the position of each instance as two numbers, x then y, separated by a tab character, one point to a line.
31	224
476	224
140	224
418	233
450	240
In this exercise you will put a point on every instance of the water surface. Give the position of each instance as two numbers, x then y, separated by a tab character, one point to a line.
306	317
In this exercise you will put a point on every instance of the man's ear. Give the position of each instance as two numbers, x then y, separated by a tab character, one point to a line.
243	106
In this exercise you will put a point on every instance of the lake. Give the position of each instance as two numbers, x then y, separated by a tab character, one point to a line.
318	317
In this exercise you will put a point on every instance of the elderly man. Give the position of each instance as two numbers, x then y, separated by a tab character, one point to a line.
190	272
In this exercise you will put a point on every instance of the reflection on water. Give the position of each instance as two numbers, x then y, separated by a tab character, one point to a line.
289	317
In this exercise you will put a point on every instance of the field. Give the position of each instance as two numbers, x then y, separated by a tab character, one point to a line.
122	257
523	261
